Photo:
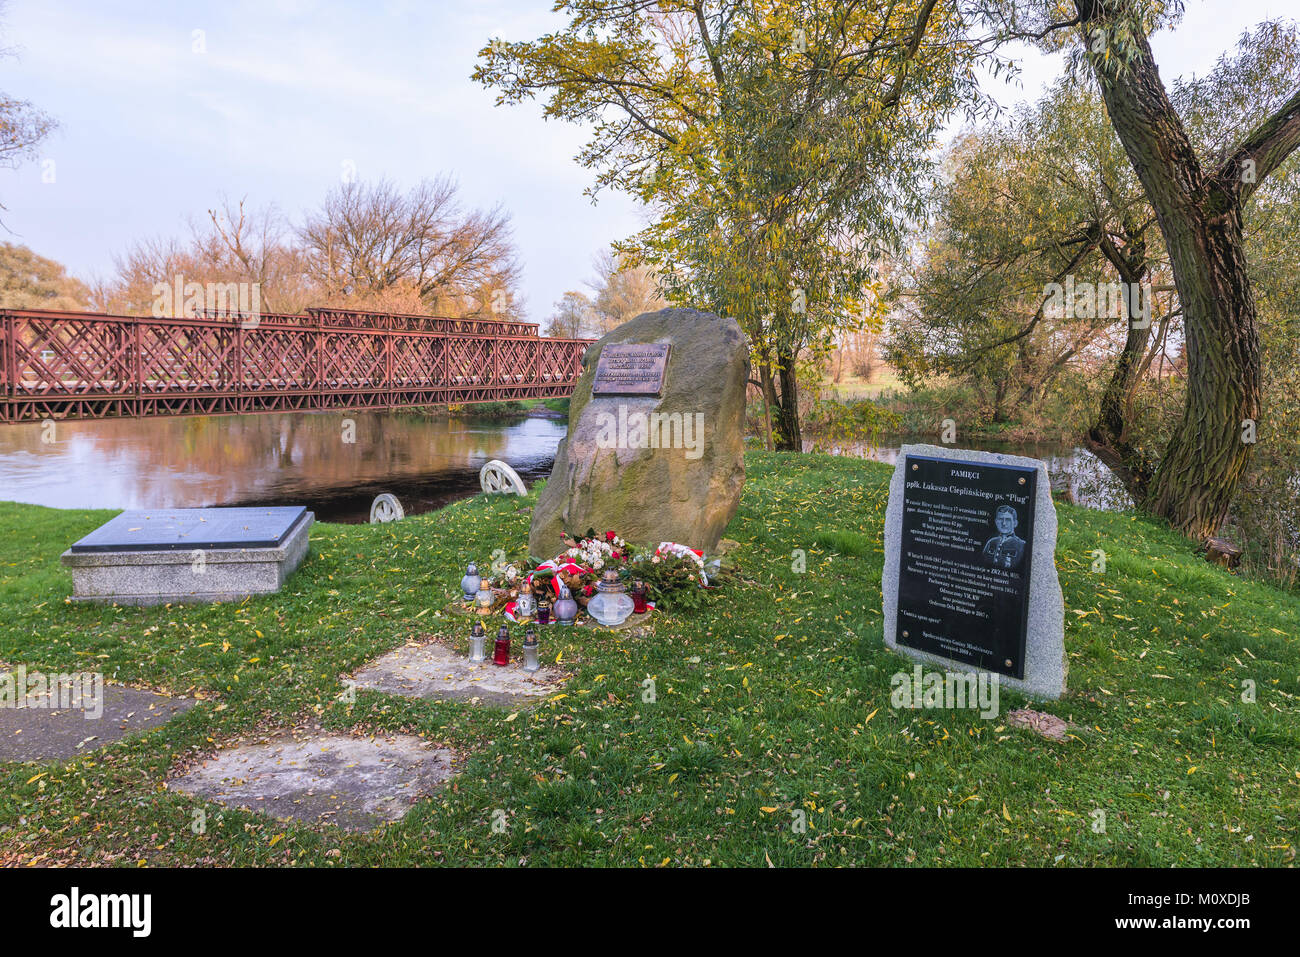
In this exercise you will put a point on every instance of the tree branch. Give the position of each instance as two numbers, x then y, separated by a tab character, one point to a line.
1267	147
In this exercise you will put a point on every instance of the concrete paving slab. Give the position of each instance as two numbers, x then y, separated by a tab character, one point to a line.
356	783
66	721
433	670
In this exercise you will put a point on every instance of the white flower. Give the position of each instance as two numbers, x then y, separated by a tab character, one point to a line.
599	564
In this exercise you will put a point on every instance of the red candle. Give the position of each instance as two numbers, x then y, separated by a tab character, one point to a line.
639	593
501	650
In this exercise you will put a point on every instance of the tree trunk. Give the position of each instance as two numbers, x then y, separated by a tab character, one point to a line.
790	438
1000	414
1109	438
769	394
1200	216
1204	461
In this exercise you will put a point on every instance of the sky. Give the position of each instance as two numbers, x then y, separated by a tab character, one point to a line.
165	107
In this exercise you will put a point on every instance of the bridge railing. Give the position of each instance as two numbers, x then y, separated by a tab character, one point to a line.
91	365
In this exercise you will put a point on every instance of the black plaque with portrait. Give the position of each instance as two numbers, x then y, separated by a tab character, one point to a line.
964	561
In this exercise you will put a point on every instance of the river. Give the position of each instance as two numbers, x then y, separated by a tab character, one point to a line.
1075	472
306	458
336	469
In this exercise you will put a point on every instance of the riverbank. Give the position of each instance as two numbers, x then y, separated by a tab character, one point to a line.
538	408
772	699
335	463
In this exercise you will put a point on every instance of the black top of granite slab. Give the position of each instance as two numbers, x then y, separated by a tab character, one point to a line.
973	463
175	529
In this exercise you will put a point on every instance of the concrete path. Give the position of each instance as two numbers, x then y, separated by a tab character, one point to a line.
59	726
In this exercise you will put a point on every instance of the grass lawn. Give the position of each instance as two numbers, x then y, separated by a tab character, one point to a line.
773	699
851	386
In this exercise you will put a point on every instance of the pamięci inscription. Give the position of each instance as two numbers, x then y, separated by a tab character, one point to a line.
630	369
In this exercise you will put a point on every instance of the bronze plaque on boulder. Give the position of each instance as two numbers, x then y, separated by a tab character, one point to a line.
626	368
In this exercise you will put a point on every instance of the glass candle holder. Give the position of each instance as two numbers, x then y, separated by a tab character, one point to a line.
483	599
524	605
469	585
611	605
531	662
639	596
566	609
543	612
501	651
477	637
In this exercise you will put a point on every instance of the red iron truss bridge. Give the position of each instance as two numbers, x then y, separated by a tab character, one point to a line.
77	365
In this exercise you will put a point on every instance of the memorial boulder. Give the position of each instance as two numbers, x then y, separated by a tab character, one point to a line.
655	445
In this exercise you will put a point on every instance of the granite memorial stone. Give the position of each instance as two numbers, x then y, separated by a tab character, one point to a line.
970	577
655	442
150	557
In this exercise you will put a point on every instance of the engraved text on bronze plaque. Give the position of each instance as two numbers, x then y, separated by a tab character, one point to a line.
628	368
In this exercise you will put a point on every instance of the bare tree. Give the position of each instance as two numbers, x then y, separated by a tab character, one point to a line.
622	292
574	318
376	241
373	248
234	244
145	263
257	247
22	126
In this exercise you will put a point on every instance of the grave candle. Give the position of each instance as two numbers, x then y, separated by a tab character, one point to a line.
524	605
501	651
469	584
476	638
611	605
566	609
639	595
530	649
543	612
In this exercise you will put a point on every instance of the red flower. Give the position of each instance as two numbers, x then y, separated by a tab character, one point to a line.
588	590
609	536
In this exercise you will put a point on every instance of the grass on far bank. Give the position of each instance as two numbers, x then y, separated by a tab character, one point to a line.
511	407
773	699
852	386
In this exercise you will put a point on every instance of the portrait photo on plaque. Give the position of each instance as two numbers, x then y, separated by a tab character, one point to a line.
1006	549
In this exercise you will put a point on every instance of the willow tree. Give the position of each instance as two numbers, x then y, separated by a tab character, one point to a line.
1198	196
778	143
1042	201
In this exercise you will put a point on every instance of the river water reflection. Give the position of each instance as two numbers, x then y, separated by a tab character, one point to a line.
293	458
1075	472
307	459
